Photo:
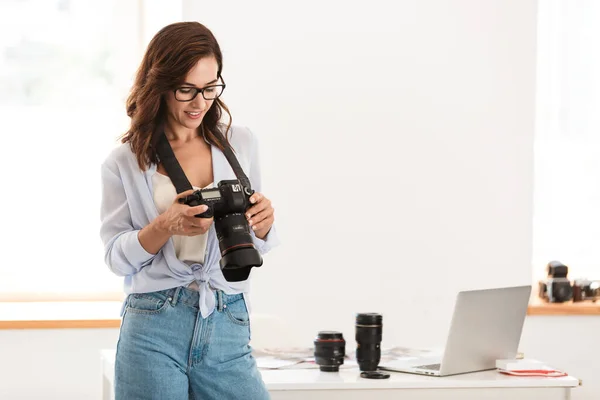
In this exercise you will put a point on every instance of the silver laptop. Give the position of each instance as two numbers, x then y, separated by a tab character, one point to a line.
486	326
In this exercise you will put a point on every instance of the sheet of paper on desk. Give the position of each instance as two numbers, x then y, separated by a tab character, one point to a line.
302	358
399	353
274	363
276	358
292	353
545	371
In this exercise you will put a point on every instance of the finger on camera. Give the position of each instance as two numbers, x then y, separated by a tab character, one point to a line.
256	197
201	230
195	222
260	216
261	225
254	210
183	194
190	222
192	211
257	218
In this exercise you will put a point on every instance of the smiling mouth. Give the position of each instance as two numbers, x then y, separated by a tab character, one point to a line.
194	113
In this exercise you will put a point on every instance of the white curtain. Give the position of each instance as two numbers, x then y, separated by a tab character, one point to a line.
567	147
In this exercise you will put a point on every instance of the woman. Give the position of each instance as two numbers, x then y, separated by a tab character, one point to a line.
185	331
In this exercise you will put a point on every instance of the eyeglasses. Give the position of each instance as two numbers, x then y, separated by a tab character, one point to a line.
189	93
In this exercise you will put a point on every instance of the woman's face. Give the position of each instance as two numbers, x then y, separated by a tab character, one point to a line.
189	114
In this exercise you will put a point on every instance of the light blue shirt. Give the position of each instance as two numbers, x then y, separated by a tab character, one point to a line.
128	206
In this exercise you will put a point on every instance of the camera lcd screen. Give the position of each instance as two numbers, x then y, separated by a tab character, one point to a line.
213	194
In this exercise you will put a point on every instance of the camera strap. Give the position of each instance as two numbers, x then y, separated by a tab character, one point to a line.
175	172
233	161
172	166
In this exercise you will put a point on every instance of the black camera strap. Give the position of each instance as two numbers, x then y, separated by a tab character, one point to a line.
233	162
172	166
175	172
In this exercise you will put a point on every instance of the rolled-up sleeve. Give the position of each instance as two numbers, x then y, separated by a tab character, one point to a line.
271	240
123	252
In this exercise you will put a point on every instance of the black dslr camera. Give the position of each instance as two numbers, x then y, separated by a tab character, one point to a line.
557	288
584	289
227	203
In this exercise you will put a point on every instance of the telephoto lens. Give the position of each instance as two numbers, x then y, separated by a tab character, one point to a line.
330	350
368	340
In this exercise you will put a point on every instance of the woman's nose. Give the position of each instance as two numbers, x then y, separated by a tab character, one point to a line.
199	102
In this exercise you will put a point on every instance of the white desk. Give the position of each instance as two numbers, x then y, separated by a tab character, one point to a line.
348	385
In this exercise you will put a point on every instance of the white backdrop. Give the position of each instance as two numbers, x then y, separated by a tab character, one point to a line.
396	142
444	90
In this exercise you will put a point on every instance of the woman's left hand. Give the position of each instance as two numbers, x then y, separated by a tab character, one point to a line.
261	215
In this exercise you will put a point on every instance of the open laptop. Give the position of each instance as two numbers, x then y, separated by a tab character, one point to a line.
486	326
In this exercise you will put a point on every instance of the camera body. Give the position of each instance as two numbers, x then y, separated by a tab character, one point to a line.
227	203
557	288
228	197
584	289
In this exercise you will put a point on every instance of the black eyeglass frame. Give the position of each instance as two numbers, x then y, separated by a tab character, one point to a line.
198	90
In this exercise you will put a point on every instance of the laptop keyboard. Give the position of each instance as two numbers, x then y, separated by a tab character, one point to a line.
432	367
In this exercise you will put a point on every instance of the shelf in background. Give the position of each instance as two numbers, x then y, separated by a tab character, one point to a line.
539	307
60	315
90	314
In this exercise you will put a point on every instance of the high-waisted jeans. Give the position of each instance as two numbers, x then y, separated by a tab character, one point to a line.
168	351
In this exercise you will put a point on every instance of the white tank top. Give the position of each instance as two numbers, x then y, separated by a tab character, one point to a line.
189	249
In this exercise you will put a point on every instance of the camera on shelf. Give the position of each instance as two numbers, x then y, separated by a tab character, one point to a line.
557	287
585	289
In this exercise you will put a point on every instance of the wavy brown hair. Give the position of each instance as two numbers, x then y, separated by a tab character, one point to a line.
170	55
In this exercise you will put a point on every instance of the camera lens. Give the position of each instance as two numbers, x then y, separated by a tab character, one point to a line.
368	340
238	254
562	291
330	350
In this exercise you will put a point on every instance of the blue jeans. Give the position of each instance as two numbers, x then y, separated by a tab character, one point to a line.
168	351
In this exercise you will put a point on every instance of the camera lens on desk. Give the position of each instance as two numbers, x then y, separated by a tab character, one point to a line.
368	340
330	350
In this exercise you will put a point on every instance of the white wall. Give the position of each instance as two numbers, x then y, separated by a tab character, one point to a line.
397	147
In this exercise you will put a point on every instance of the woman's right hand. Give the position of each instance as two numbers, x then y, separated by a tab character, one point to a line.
179	218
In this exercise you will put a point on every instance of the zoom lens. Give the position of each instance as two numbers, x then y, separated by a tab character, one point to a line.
368	340
330	350
238	254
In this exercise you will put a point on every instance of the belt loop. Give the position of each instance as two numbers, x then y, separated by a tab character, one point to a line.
127	300
175	295
220	300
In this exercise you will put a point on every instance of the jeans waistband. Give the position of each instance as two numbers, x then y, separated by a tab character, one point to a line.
190	297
